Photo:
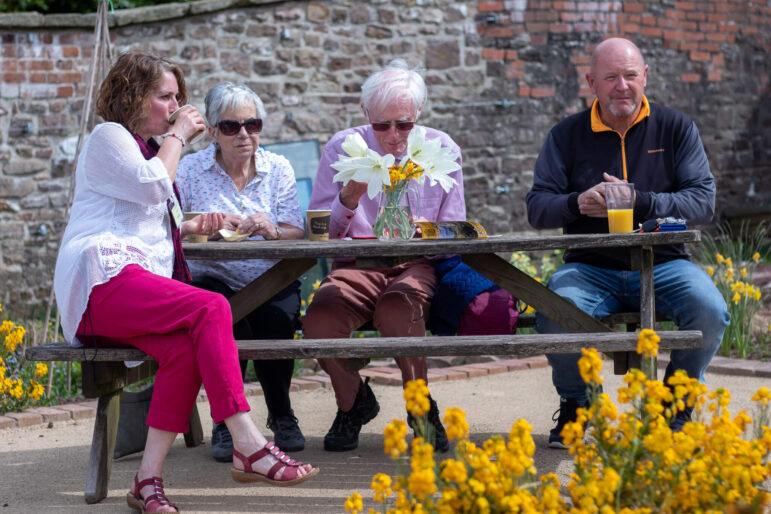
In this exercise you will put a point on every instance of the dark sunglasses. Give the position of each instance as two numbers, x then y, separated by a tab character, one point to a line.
233	127
382	126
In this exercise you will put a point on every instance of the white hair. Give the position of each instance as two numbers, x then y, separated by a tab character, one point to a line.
393	82
228	96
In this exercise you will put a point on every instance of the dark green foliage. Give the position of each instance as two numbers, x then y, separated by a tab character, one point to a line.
73	6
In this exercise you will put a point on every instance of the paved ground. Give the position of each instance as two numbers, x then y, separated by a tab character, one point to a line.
43	469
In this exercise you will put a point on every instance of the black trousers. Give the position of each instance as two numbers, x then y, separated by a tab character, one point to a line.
278	318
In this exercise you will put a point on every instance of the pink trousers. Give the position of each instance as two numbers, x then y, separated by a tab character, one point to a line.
188	331
396	299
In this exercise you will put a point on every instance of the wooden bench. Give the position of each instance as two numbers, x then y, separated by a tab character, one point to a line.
104	375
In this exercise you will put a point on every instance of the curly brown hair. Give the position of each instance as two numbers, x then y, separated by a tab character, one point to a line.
125	92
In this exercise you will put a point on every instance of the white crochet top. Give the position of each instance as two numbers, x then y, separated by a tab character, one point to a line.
119	216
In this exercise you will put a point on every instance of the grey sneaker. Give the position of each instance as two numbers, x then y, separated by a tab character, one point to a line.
286	432
221	443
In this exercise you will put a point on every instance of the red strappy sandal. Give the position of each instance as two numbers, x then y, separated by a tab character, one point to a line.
158	498
289	465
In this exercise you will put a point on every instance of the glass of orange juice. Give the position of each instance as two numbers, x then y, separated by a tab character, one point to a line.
619	198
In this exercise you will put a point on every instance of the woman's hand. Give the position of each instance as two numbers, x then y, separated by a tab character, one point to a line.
259	224
188	123
207	224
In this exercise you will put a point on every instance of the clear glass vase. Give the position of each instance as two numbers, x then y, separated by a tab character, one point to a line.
397	211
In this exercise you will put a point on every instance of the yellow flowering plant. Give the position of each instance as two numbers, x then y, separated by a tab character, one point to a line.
19	379
624	462
730	259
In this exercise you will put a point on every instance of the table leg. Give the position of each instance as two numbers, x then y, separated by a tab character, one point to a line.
264	287
647	303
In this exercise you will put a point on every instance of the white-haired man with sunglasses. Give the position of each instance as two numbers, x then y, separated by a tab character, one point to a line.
396	297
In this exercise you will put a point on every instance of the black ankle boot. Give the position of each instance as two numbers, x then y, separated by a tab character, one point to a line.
344	433
437	436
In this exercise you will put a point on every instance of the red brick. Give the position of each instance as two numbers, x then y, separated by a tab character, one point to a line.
306	385
449	373
559	28
749	31
65	91
677	35
382	378
435	376
651	32
709	47
630	28
51	414
65	76
493	368
524	91
499	32
10	65
697	16
70	51
6	422
79	411
716	17
37	78
729	27
689	25
716	37
493	53
687	46
470	370
489	6
512	55
707	27
674	14
718	60
690	77
715	75
26	419
537	361
633	7
324	380
13	77
536	27
685	6
700	56
564	6
542	92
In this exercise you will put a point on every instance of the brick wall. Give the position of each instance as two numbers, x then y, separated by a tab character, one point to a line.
500	74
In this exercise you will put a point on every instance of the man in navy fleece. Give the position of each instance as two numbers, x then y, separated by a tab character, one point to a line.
624	137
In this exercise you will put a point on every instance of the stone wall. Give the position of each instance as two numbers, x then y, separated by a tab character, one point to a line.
500	74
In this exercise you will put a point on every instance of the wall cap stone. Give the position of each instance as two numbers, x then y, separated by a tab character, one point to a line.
124	17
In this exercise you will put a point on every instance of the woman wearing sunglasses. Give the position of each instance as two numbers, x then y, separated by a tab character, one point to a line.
257	194
114	284
395	298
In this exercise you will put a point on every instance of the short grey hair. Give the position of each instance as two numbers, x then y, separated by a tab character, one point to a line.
394	81
228	96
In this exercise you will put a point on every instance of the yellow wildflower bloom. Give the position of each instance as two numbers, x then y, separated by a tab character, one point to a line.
743	272
381	484
720	258
736	298
648	343
455	423
394	443
41	369
590	366
710	270
762	395
756	257
353	504
416	395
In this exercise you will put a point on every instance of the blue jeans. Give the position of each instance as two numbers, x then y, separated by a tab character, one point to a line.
683	291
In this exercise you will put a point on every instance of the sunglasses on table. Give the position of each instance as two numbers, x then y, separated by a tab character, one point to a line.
233	127
382	126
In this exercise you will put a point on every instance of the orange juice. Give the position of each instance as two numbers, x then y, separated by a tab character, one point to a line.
620	221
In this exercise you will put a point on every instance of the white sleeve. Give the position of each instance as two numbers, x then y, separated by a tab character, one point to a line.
115	167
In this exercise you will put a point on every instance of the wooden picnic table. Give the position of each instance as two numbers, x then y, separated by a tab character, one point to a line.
105	376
